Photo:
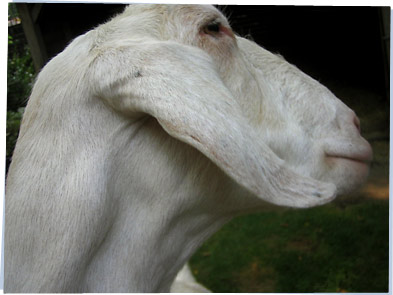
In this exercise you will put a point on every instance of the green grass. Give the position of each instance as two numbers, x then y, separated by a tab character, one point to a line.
324	249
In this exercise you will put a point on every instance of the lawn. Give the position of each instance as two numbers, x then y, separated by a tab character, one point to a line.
325	249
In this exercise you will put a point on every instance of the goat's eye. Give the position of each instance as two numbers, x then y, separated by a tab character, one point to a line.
215	27
212	28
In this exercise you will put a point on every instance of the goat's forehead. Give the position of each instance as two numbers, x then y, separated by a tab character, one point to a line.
195	13
174	9
193	9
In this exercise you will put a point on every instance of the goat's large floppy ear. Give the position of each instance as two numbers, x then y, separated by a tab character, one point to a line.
180	87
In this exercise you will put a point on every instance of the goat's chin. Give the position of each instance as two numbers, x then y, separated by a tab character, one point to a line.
347	174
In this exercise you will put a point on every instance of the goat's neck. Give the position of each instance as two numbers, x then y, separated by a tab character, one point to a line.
167	247
146	247
170	199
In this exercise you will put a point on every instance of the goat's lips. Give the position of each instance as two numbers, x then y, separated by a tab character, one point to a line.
358	151
363	157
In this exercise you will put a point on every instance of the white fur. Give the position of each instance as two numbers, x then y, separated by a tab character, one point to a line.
186	283
147	134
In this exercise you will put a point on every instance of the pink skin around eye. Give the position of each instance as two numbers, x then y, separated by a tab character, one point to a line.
227	31
222	30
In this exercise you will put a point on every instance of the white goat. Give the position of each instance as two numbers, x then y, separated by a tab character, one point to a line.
147	134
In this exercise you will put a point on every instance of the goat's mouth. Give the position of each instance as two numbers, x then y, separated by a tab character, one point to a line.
356	159
359	161
363	154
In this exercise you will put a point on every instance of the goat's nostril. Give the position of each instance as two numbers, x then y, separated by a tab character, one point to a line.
356	121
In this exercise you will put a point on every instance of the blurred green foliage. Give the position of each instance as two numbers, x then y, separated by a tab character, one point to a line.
20	75
20	78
